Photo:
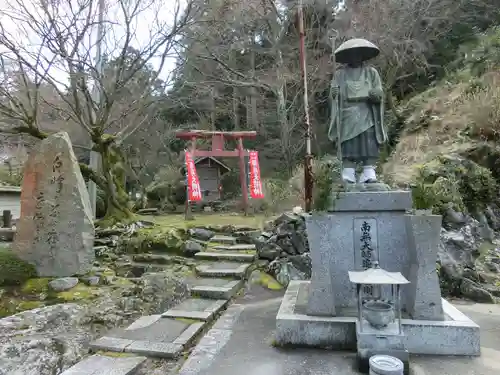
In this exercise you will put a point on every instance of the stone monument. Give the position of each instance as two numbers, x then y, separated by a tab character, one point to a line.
56	231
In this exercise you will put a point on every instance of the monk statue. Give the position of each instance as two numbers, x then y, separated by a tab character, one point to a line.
357	110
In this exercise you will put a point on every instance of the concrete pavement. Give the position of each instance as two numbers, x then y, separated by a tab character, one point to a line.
241	342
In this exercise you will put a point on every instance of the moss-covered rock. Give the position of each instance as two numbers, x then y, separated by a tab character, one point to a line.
14	271
451	181
29	305
36	286
78	293
263	279
168	240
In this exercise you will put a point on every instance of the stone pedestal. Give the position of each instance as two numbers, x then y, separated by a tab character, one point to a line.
361	226
386	341
424	293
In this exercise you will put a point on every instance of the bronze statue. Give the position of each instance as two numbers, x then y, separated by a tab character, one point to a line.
357	122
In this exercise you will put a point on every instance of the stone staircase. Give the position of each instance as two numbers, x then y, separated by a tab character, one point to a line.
220	271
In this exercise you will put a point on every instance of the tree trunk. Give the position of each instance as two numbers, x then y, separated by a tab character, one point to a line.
113	169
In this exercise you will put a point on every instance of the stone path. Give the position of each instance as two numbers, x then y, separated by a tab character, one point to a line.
221	270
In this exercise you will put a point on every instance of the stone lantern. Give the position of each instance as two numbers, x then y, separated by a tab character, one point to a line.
378	327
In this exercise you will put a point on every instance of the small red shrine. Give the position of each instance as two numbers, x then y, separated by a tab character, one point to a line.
218	150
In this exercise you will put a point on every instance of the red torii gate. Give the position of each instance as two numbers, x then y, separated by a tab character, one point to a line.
217	150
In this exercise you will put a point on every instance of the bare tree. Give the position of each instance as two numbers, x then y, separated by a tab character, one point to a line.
251	48
52	43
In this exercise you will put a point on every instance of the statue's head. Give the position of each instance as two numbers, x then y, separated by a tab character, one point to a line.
355	52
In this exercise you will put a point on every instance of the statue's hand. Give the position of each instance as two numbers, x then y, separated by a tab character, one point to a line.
334	91
375	96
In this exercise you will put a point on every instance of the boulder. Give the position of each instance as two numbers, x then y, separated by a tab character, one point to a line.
55	232
62	284
473	291
201	234
191	248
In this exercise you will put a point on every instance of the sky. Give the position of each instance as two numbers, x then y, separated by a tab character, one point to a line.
152	16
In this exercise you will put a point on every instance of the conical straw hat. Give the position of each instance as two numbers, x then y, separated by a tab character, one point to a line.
361	47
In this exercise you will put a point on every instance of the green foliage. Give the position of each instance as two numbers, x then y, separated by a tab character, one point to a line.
11	178
278	196
230	181
452	181
480	55
101	203
167	188
14	271
324	176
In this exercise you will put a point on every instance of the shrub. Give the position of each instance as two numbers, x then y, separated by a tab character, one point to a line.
278	196
167	188
456	182
484	111
326	174
14	271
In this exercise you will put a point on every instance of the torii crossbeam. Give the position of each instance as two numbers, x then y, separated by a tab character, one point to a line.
217	150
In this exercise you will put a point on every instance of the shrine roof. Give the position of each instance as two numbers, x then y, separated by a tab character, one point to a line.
218	162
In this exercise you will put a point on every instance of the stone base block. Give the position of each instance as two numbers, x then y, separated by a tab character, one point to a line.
455	335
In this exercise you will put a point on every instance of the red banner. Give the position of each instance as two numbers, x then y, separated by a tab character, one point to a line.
193	183
255	182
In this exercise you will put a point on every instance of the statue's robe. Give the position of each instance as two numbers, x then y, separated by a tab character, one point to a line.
358	120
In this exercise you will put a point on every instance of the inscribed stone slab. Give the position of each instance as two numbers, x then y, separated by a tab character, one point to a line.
365	241
56	230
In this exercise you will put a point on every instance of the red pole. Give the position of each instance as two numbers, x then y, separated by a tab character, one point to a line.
308	175
243	177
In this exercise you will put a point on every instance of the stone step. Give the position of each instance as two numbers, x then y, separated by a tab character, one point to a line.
151	336
218	238
223	269
196	308
214	288
238	247
235	257
157	258
136	269
103	365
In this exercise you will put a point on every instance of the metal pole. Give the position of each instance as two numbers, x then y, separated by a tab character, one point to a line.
308	177
94	156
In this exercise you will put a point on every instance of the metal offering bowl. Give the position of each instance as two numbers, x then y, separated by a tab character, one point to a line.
378	313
